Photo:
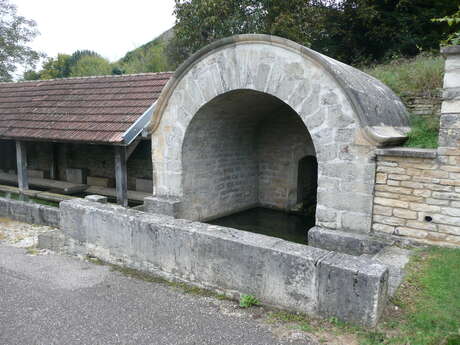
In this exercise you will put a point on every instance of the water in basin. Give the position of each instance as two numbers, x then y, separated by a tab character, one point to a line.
288	226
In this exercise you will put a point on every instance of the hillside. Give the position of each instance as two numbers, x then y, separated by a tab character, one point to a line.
150	57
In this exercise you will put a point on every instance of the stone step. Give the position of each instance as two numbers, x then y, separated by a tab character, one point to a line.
396	259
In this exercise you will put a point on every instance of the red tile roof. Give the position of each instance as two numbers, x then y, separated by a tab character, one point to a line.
87	109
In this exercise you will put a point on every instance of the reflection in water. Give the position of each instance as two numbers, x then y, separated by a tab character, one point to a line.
290	227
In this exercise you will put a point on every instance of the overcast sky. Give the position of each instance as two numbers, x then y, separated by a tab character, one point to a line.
109	27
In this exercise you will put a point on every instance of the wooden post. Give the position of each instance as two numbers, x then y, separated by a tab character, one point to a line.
21	161
53	166
121	175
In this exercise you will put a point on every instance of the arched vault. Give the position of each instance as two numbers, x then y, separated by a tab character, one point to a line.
346	114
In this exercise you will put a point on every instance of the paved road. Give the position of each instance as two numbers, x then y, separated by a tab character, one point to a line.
52	299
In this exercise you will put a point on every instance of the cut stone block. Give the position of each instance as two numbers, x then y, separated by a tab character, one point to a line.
75	175
352	289
144	185
37	173
98	181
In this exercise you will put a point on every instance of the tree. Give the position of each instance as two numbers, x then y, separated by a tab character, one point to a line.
353	31
200	22
363	31
454	22
76	65
55	67
89	65
15	34
147	58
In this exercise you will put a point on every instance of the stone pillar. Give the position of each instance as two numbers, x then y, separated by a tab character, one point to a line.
449	134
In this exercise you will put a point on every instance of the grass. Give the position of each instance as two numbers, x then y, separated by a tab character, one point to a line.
429	300
425	310
424	132
32	250
421	75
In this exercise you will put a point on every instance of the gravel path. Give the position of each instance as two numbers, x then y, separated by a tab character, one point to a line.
18	234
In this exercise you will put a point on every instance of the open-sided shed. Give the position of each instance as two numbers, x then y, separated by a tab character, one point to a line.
64	130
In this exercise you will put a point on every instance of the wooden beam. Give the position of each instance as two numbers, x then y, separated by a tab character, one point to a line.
121	175
21	161
132	147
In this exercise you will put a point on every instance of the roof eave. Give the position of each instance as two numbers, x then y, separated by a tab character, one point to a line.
138	127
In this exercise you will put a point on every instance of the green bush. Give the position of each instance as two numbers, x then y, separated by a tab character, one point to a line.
422	74
424	132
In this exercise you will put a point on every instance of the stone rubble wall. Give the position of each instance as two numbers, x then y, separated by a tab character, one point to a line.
418	197
423	104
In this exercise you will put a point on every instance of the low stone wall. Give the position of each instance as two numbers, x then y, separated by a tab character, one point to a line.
278	272
417	195
29	212
423	104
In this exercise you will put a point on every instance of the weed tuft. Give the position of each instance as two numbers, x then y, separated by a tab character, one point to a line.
247	301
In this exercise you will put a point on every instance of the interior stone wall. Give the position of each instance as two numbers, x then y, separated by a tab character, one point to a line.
283	141
220	163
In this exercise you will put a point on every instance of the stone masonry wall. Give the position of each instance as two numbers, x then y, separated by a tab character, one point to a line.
242	155
417	196
417	192
423	104
283	140
220	164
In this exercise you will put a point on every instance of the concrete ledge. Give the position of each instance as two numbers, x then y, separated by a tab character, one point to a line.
410	152
279	273
29	212
344	242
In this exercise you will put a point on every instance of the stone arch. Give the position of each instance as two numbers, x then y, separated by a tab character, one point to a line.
347	114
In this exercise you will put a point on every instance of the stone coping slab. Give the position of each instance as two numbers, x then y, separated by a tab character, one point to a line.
410	152
450	50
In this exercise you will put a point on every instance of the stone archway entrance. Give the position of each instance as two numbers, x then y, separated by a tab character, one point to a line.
210	110
241	151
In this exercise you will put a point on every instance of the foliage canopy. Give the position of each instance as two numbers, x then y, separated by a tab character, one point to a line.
16	32
353	31
80	63
454	22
